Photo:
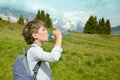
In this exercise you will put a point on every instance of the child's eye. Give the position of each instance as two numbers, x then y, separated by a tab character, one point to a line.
44	29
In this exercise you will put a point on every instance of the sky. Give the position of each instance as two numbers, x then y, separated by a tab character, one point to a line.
73	9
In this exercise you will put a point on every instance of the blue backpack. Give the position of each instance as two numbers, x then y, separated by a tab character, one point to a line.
21	69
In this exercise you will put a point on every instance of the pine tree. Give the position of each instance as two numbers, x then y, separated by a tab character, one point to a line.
42	16
48	21
37	17
90	26
102	26
87	26
21	20
108	27
95	24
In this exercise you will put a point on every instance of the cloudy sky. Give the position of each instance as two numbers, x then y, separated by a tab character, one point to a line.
74	9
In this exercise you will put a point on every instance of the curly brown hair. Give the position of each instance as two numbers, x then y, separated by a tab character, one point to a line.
29	28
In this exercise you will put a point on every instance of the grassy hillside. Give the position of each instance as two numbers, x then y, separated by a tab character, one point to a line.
85	56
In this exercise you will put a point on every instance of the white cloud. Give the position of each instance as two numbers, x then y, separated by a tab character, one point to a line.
81	16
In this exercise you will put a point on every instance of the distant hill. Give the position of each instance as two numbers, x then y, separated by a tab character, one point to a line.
115	30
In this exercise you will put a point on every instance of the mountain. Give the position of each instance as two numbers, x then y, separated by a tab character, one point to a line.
13	14
60	22
115	30
64	23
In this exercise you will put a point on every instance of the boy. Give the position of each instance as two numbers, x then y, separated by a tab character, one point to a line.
36	34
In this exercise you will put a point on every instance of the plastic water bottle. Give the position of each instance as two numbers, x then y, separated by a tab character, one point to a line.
51	36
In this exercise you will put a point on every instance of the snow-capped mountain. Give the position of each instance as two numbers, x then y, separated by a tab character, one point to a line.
66	23
13	15
63	22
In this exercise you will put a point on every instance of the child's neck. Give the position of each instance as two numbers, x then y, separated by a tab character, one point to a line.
38	43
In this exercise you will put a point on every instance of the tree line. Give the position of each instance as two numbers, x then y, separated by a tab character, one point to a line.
93	26
41	15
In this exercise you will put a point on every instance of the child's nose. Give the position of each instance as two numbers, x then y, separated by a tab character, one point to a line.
46	31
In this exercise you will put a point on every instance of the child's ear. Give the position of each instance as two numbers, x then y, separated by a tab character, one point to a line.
35	35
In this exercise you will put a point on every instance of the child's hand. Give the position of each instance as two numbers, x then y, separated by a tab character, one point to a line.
57	34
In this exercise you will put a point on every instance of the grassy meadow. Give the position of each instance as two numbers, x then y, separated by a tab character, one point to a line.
85	56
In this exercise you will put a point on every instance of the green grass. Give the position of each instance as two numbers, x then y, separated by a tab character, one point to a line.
85	56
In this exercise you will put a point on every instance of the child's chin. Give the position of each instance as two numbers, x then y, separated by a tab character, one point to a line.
47	40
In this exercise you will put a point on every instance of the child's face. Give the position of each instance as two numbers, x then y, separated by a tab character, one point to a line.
42	34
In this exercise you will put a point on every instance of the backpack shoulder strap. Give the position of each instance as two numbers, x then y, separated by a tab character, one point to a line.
37	66
25	51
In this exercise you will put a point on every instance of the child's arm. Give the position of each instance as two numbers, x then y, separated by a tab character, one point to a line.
58	35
